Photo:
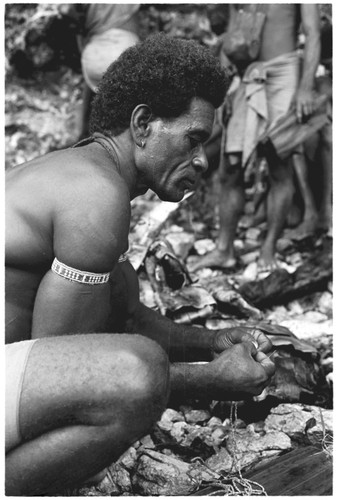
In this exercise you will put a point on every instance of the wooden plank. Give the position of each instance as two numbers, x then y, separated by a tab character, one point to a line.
305	471
281	287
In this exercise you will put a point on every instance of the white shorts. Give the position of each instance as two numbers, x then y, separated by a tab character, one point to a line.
17	355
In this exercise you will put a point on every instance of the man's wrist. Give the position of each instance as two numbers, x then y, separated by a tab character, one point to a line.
208	339
190	380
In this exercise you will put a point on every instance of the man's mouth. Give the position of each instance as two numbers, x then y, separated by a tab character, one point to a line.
189	183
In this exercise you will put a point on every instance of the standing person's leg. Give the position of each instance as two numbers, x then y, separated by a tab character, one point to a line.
281	86
231	204
325	211
278	204
310	216
85	399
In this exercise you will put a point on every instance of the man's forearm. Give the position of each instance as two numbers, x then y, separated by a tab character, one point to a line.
180	341
310	64
194	380
189	380
312	47
63	307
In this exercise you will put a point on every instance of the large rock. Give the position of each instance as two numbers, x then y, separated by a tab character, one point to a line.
221	461
197	416
159	474
118	477
301	422
248	447
168	418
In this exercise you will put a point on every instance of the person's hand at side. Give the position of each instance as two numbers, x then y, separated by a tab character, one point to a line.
239	372
305	104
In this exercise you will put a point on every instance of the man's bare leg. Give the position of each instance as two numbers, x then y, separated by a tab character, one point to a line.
85	400
310	215
231	204
325	211
278	203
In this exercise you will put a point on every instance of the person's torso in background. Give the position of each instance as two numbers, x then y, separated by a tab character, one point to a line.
279	34
102	17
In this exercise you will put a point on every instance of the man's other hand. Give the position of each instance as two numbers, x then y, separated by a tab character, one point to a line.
305	104
239	372
224	339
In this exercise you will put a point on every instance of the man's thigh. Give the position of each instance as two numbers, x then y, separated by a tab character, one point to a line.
83	379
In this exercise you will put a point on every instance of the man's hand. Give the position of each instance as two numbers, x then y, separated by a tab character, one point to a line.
238	372
224	339
305	104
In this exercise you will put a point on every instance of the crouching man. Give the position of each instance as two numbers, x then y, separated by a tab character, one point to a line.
89	368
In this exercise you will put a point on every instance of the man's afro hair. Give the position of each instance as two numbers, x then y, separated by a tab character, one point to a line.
163	72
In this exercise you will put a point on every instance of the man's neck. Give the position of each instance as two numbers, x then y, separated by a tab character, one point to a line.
124	146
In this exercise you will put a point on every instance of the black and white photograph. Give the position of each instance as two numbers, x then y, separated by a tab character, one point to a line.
168	246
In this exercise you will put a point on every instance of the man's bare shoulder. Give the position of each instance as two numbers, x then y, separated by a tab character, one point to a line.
82	179
92	212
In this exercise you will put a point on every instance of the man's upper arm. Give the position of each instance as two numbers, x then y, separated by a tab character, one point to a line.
89	236
91	230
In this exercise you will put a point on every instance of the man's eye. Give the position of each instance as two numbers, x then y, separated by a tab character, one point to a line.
194	142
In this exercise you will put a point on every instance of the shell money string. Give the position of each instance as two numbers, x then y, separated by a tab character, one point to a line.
233	484
241	486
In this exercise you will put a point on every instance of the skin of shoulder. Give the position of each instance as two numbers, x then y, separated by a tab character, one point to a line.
91	221
75	203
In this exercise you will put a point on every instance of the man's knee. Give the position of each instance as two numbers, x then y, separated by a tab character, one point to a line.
143	370
151	366
281	172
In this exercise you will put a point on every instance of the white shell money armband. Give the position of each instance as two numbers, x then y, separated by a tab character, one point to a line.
71	274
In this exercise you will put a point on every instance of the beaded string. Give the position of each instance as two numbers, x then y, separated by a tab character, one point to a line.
249	487
230	484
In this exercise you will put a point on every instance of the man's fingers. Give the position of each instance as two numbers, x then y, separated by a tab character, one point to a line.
248	337
251	346
266	362
264	344
299	114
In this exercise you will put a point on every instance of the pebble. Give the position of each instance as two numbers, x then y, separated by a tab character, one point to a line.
197	416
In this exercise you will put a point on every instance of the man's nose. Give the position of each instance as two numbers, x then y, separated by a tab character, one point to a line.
200	161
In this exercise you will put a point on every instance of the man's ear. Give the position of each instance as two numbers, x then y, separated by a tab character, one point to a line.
140	123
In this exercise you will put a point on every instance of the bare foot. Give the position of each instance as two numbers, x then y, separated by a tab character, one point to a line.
306	228
267	265
270	263
293	217
216	258
267	261
325	220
